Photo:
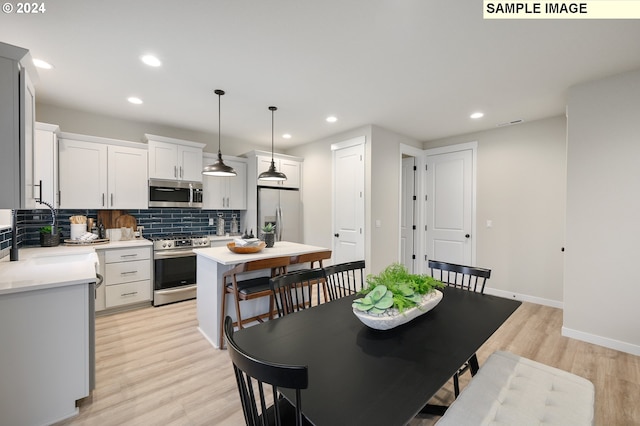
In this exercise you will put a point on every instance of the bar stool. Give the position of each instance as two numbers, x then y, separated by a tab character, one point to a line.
251	288
312	258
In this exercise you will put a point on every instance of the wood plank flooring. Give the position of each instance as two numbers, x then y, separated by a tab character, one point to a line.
153	367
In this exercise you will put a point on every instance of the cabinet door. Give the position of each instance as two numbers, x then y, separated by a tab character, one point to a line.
292	170
29	96
45	161
214	190
189	163
83	174
127	177
237	186
163	159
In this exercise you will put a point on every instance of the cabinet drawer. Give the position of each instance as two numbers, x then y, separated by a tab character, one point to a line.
126	272
123	294
126	255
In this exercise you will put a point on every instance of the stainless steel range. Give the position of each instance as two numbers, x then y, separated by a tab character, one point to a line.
174	264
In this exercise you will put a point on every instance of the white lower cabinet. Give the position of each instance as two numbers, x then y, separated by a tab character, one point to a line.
127	277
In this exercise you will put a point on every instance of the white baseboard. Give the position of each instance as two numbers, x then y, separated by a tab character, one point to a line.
524	297
602	341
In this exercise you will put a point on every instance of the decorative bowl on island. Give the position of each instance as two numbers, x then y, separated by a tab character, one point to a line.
246	249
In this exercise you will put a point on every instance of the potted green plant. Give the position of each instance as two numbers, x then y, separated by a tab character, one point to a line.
395	296
48	238
268	234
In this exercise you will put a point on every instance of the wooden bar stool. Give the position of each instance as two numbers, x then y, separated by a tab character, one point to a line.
251	288
312	258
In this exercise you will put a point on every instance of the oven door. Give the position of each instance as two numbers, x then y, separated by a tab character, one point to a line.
174	276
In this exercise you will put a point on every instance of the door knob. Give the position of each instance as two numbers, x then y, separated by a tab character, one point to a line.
467	236
336	235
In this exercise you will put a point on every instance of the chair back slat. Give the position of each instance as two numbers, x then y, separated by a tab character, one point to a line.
262	408
293	291
345	279
465	277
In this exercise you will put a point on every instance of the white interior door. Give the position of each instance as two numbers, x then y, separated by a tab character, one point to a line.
348	201
450	206
407	214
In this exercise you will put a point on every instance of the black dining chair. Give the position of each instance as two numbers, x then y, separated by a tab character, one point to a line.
345	279
467	278
253	374
293	291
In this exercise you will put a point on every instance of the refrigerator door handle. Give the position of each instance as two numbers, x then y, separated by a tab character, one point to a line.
279	223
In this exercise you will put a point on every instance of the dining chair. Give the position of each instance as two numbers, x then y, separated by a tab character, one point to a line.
467	278
293	291
250	288
260	408
312	259
345	279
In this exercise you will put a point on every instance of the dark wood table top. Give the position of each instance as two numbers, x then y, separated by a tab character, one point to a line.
360	376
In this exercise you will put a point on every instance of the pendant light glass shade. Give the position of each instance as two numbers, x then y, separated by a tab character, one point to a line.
272	174
218	168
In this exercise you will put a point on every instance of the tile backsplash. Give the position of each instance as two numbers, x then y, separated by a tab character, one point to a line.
156	222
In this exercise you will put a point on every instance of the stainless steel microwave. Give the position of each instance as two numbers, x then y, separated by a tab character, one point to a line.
175	193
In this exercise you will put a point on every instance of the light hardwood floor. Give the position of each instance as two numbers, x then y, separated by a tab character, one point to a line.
154	368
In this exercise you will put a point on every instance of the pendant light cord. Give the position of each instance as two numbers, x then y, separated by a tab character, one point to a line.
219	124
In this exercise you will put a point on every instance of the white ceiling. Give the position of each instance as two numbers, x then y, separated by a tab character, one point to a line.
415	67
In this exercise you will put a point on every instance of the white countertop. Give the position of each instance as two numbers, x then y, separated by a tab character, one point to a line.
48	267
224	256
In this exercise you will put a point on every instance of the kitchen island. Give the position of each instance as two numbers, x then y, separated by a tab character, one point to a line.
212	263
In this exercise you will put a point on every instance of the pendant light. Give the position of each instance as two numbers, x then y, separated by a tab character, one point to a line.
272	174
218	168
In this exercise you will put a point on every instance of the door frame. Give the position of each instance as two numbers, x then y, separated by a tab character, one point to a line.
421	155
418	237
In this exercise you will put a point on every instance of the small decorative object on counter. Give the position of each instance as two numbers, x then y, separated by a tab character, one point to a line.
220	227
268	234
47	239
101	231
234	225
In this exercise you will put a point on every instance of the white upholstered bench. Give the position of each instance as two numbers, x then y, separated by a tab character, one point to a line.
511	390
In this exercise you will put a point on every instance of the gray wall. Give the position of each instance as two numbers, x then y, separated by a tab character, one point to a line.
521	189
603	213
87	123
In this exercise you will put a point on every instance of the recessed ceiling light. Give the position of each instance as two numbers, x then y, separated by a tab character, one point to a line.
477	115
151	60
134	100
331	119
42	64
286	136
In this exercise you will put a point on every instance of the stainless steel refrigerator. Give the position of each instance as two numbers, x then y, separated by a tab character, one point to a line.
280	207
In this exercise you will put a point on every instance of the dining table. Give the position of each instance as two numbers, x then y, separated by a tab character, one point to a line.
363	376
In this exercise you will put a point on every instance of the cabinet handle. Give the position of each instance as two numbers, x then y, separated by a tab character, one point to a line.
175	171
112	199
133	293
129	255
39	198
128	272
181	172
103	199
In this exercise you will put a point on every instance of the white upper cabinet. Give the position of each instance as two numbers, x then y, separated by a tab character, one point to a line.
226	193
290	166
45	167
174	159
97	173
17	121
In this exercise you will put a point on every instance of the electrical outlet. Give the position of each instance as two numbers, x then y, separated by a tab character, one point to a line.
210	221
